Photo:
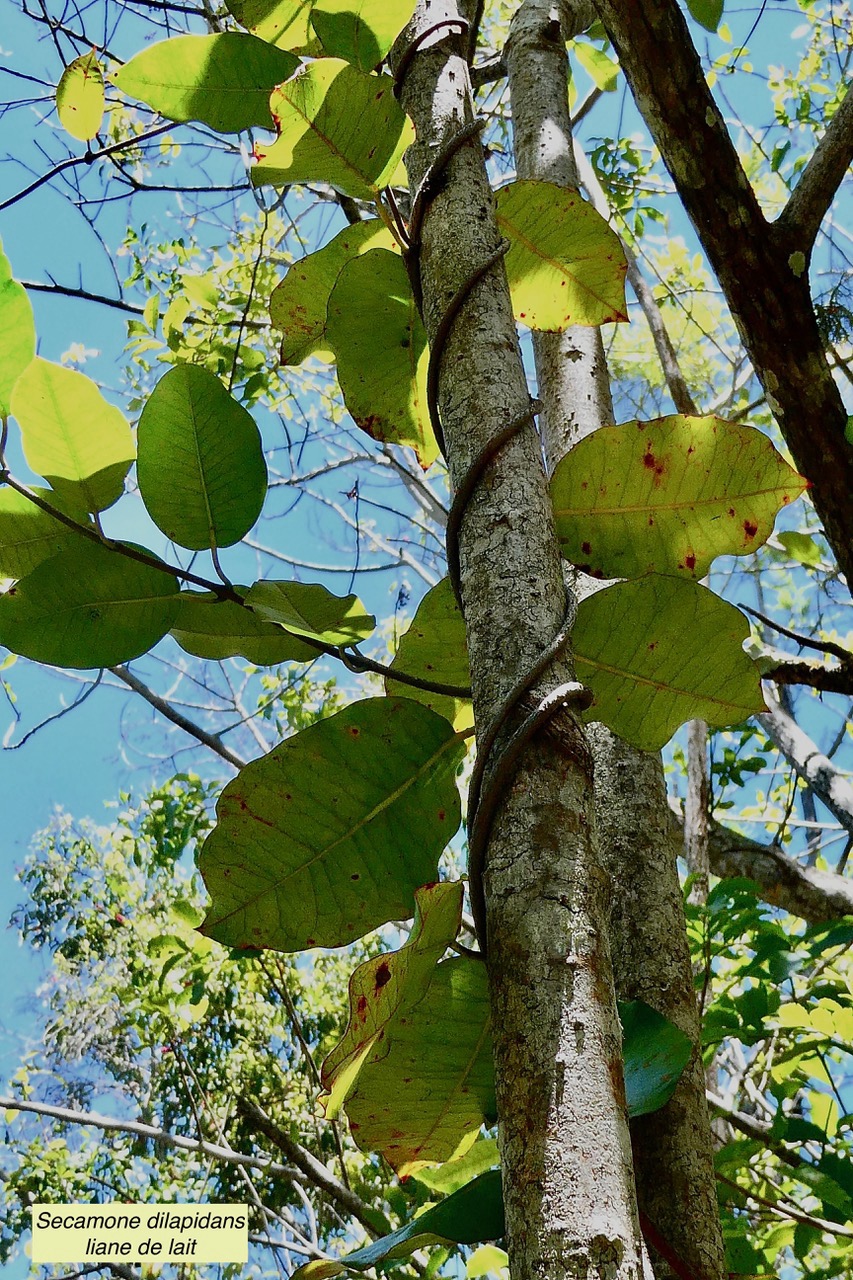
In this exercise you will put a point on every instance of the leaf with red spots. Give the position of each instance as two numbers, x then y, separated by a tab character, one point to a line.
435	648
565	265
659	651
384	985
297	827
668	496
380	346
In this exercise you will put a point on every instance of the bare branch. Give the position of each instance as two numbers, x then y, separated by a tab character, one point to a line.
828	783
812	196
211	740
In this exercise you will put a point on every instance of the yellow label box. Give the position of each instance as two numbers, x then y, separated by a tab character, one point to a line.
81	1233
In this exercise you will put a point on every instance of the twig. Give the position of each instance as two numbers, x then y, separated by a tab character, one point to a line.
811	198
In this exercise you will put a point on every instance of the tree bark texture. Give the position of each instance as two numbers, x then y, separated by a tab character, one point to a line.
565	1147
762	267
673	1158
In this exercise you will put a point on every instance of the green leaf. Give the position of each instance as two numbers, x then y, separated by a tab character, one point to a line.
223	81
708	13
565	265
286	23
659	651
655	1052
454	1174
217	629
599	66
487	1260
80	97
362	31
668	496
335	125
380	346
87	607
17	333
201	468
383	986
28	535
309	609
330	834
423	1093
80	444
472	1214
801	547
298	305
434	647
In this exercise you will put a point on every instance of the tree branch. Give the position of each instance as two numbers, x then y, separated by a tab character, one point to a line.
812	196
211	740
826	781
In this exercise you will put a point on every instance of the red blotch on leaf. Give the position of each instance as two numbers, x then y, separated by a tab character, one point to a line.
690	561
383	975
354	731
361	1007
749	529
586	548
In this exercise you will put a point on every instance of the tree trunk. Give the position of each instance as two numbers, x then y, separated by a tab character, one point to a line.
673	1159
565	1147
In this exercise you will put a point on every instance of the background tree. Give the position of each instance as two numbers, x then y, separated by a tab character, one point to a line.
476	382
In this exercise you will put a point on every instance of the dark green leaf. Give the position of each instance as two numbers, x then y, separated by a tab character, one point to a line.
29	535
309	609
217	629
707	13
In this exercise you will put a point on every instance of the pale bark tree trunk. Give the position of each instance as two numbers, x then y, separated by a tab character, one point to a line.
672	1150
565	1147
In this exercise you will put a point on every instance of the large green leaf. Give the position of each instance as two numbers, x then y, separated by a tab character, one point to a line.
286	23
87	607
223	81
708	13
298	305
565	265
80	444
659	651
80	97
17	333
382	987
362	31
668	496
335	125
330	834
655	1053
434	648
380	345
201	468
309	609
215	629
29	535
423	1093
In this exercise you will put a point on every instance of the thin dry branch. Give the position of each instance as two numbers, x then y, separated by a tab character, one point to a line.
811	198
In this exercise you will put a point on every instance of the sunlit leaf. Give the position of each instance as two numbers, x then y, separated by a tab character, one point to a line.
310	609
201	468
454	1174
600	67
217	629
223	81
362	31
330	834
434	648
80	97
801	547
298	305
72	436
29	535
286	23
390	983
380	345
17	333
87	607
565	265
335	125
668	496
659	651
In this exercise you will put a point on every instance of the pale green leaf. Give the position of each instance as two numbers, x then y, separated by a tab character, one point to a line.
309	609
87	607
383	986
659	651
17	333
29	535
201	468
330	834
362	31
423	1093
80	97
707	12
600	67
72	436
486	1260
286	23
380	345
668	496
434	648
335	125
565	265
223	81
801	547
454	1174
298	305
217	629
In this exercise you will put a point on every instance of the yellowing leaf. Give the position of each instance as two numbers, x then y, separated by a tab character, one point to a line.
80	97
362	31
17	333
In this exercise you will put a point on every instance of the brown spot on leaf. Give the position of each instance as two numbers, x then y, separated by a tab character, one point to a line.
586	548
690	561
354	731
383	975
749	529
361	1007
